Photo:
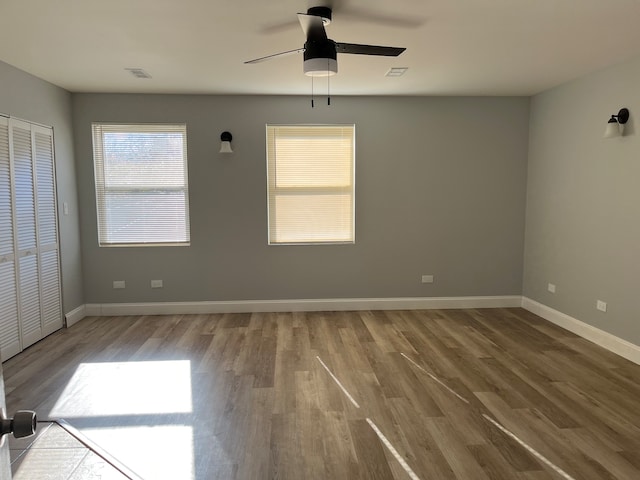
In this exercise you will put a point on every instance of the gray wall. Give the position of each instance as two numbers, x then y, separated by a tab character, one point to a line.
27	97
440	189
583	201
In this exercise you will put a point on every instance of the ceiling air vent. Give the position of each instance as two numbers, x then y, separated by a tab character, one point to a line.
138	72
396	71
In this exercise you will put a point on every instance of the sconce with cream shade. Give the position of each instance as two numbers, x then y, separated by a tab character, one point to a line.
225	142
615	125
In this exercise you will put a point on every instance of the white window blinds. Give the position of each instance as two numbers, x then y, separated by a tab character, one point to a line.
310	183
141	184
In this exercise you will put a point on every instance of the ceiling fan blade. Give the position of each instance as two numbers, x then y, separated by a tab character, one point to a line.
313	26
344	9
281	54
275	28
368	49
389	20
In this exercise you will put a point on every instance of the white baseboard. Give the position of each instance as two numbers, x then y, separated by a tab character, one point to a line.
604	339
314	305
75	315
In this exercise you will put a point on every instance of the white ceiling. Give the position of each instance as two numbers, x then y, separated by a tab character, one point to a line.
454	47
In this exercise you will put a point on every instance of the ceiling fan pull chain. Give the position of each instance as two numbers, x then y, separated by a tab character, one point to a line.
328	85
312	105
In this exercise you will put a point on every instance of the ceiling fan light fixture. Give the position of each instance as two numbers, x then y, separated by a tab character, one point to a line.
320	67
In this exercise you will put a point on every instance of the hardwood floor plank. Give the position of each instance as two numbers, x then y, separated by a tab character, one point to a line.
285	448
603	388
255	462
310	423
611	429
372	460
340	457
492	461
454	450
415	390
423	454
542	475
456	323
589	445
632	457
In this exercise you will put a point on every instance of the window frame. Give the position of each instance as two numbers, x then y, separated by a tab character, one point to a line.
307	191
98	129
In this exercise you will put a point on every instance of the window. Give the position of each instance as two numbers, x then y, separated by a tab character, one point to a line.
310	183
142	192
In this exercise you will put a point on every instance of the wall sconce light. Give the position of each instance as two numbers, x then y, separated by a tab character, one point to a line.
615	125
225	142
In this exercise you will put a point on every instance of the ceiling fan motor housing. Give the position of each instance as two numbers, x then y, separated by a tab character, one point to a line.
322	12
320	58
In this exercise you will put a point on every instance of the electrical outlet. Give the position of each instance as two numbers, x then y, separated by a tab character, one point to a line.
156	283
602	306
119	284
551	287
427	278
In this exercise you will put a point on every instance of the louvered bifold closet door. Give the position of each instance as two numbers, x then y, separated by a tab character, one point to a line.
47	231
25	211
9	329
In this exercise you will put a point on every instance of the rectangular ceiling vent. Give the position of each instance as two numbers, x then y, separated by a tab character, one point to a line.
138	72
396	71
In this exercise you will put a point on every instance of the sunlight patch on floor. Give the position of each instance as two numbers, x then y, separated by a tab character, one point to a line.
141	413
152	452
126	388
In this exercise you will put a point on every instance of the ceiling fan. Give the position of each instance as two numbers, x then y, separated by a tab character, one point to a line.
320	52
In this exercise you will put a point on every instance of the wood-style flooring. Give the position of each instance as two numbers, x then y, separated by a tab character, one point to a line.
437	394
